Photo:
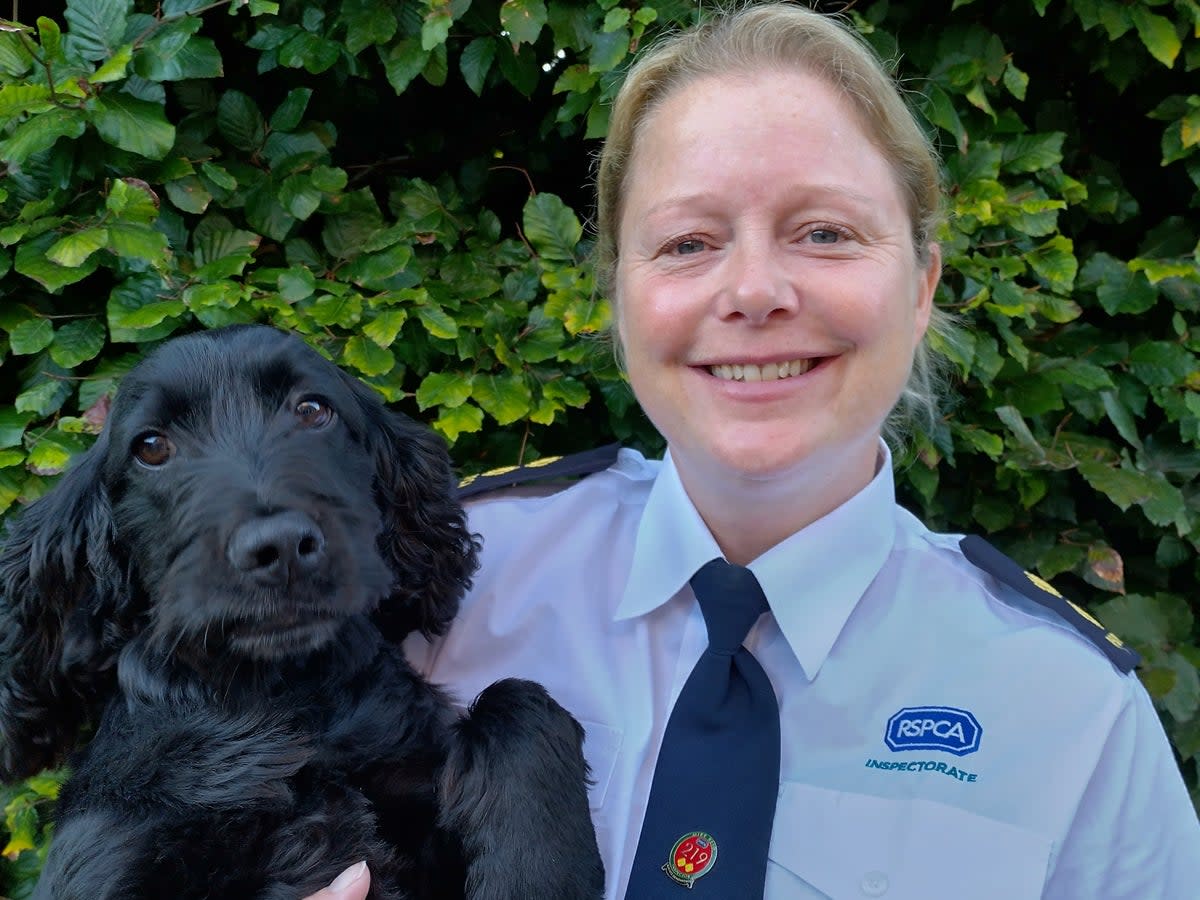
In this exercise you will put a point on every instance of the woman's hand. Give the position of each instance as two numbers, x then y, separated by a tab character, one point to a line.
352	884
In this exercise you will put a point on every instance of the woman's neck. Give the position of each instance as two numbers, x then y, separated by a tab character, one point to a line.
748	515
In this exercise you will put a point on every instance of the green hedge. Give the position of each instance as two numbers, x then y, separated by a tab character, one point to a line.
406	184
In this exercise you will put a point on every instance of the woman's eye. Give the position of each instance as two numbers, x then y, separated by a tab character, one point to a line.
824	236
689	247
314	413
153	449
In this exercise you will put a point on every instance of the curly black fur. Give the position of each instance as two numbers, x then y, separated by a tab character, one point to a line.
223	602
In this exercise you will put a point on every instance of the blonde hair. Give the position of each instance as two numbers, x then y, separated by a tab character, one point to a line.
789	37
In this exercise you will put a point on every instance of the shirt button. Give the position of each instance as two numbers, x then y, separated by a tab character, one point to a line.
874	884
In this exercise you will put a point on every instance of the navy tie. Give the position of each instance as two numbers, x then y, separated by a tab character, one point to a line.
712	802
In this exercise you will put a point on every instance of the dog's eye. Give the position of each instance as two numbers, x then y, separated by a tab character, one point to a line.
314	413
153	449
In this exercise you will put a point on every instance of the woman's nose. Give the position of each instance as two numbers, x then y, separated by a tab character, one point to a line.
756	286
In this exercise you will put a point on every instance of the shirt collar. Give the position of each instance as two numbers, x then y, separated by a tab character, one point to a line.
813	579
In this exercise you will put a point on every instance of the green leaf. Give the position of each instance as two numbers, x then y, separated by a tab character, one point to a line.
215	239
523	20
290	112
437	322
1016	81
137	310
567	390
1011	417
50	36
505	397
73	250
609	50
367	23
296	284
298	196
51	452
476	61
1118	288
385	326
368	357
1160	500
311	52
1161	363
24	99
132	200
31	336
330	309
372	269
216	296
453	421
329	179
197	58
77	342
1157	33
12	426
941	112
1157	270
436	27
358	220
40	132
32	262
97	26
240	121
46	392
580	314
1033	152
132	241
188	194
266	214
1055	261
1121	417
551	227
444	389
138	126
402	62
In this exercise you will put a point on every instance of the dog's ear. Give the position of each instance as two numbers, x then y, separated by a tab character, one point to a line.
425	537
59	582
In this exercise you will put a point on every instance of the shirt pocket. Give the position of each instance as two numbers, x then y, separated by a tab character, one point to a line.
853	846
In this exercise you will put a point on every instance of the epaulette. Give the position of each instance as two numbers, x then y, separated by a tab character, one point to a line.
1009	571
551	467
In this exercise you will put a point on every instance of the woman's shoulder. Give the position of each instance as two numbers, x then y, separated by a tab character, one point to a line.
971	564
561	482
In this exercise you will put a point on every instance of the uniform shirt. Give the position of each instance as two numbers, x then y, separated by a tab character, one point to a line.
876	624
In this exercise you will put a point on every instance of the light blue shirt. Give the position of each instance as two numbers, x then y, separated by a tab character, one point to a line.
1038	769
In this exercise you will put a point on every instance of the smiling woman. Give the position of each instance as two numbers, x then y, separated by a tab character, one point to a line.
763	230
757	639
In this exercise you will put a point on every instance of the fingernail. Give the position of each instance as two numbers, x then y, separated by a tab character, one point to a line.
348	877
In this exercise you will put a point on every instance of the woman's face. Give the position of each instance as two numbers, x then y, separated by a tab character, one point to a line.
769	297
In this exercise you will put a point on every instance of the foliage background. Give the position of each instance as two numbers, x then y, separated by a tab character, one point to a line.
405	183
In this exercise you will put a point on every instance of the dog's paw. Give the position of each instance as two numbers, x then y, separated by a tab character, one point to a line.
514	789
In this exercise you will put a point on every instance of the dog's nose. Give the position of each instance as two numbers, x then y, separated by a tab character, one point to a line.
272	549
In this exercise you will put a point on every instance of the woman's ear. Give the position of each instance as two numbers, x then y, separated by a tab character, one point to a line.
59	583
425	538
928	276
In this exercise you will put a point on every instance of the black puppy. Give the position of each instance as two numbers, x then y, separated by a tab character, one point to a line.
220	587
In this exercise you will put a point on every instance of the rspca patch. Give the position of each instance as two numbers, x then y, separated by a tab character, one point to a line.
933	728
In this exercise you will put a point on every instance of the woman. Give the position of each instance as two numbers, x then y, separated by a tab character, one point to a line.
766	206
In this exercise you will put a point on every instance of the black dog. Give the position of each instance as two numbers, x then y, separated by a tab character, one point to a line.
220	587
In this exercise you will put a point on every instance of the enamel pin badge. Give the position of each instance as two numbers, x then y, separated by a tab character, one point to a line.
692	856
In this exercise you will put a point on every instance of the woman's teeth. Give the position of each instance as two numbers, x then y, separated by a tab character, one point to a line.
769	372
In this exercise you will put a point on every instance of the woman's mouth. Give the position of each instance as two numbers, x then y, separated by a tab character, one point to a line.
766	372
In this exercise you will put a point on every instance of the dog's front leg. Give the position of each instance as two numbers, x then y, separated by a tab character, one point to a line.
514	790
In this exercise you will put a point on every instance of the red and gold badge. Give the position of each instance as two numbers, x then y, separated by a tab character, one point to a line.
692	856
